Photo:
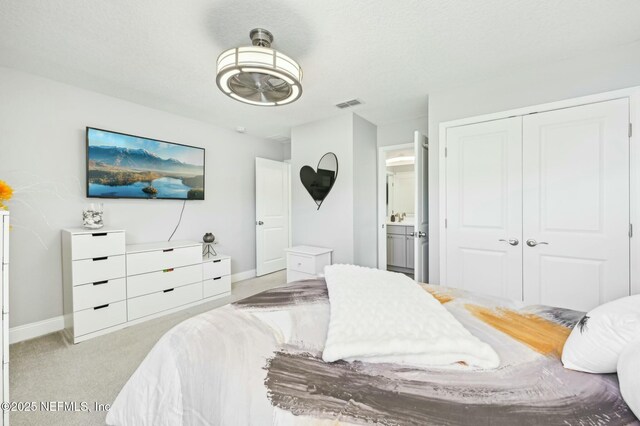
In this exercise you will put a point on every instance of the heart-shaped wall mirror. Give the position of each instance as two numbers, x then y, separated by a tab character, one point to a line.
320	181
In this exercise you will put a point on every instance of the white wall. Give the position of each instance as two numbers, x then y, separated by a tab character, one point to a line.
401	132
42	155
365	167
598	72
332	225
345	219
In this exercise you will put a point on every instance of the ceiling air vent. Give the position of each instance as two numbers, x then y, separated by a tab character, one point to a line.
348	104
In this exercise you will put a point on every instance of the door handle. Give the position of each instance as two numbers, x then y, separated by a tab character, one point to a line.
512	241
260	222
421	234
533	243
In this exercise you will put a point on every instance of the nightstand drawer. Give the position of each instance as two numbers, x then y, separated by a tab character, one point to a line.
157	260
216	286
99	317
98	269
99	293
297	262
216	268
97	244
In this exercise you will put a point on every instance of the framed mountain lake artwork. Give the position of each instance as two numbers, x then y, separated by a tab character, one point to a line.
127	166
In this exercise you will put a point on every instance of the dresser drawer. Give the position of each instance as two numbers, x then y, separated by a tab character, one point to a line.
100	293
97	244
4	239
97	269
100	317
142	306
297	262
216	268
5	338
216	286
152	282
152	261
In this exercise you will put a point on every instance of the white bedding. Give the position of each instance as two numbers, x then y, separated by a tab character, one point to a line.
380	316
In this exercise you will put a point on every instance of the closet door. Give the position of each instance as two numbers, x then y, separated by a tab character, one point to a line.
484	207
576	205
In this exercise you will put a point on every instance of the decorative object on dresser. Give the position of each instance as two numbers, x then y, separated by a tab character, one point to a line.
92	216
319	182
4	333
207	249
306	262
109	285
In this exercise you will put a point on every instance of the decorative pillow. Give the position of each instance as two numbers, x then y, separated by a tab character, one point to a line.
595	343
629	376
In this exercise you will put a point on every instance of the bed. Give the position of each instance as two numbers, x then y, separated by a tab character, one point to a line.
259	362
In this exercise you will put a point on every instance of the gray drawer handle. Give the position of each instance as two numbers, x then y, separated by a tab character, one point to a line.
167	250
99	234
217	261
96	259
101	282
167	291
219	278
100	307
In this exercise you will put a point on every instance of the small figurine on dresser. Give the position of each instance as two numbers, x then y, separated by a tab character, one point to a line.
207	249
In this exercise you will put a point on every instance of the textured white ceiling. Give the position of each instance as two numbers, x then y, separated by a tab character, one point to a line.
390	54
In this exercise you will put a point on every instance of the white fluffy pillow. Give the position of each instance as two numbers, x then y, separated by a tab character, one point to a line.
598	339
629	376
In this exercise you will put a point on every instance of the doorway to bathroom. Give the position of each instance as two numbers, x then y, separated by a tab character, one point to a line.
402	208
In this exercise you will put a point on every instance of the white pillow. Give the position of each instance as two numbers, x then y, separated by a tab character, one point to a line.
629	376
595	343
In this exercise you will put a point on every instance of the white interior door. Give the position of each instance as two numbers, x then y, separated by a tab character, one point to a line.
576	205
421	200
272	215
484	207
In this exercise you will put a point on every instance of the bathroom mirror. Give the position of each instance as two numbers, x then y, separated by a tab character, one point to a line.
319	182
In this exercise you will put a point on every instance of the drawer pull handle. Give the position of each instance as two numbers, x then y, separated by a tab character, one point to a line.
95	259
99	234
219	278
101	282
167	250
167	270
167	291
100	307
216	261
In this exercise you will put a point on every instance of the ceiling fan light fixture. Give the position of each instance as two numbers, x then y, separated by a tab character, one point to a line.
258	74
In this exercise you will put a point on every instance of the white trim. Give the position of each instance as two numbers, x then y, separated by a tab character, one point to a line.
52	325
36	329
632	93
382	208
241	276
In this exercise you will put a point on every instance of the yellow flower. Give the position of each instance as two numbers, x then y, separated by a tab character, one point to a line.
5	193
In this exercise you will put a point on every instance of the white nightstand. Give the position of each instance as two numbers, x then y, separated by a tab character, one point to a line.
306	262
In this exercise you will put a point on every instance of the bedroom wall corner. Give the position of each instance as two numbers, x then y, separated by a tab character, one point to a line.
365	195
597	72
42	148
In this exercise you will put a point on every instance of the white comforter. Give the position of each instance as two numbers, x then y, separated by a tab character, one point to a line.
380	316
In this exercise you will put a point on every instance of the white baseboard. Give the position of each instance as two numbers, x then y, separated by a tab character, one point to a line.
36	329
51	325
241	276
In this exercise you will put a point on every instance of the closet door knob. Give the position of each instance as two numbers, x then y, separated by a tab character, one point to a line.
512	241
533	243
260	222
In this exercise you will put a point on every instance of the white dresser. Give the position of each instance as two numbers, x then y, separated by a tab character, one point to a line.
110	285
4	284
306	262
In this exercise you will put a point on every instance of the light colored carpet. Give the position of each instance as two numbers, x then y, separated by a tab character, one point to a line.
49	368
